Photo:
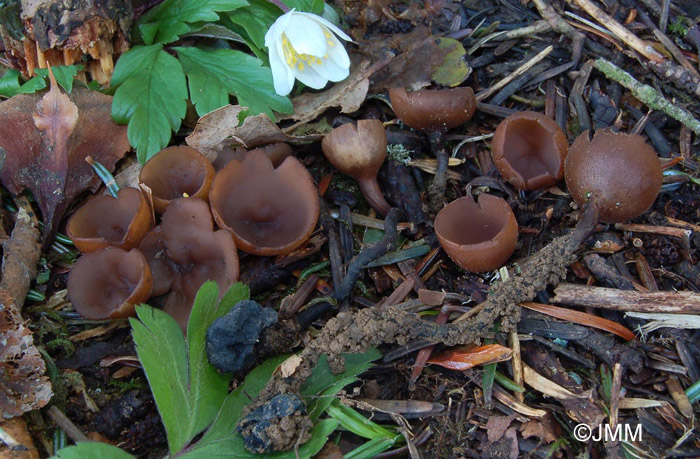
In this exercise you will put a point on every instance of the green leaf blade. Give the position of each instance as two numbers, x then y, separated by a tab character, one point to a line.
86	449
238	74
161	349
171	19
151	97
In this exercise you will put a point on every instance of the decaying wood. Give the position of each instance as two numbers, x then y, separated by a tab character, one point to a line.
627	300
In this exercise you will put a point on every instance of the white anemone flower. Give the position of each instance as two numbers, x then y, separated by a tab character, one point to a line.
304	46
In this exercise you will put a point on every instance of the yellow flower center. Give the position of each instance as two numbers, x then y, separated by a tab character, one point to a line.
293	58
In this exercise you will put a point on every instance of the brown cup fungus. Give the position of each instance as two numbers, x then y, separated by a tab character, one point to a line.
270	211
177	172
107	284
620	172
529	150
277	152
107	221
359	151
434	109
478	236
184	251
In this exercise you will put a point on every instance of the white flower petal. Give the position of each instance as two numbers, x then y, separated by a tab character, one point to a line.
331	71
306	35
328	24
282	75
277	28
310	77
337	53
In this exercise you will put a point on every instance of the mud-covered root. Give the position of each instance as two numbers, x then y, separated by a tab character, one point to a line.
355	332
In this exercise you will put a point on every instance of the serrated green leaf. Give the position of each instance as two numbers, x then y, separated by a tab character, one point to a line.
255	20
188	391
90	449
310	6
151	96
172	18
64	75
214	74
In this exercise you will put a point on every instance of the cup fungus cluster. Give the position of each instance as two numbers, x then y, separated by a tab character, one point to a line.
259	208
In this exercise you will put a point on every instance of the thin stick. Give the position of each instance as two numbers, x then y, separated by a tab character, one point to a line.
66	425
485	94
645	93
627	300
620	31
517	362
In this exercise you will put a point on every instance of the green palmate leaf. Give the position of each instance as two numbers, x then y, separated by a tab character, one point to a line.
310	6
151	96
84	450
172	18
253	22
214	74
187	389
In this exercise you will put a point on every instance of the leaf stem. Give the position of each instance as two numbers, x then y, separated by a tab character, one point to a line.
280	5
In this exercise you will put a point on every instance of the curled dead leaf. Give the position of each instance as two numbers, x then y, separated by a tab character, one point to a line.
44	141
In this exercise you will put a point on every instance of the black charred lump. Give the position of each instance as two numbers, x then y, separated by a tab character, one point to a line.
231	338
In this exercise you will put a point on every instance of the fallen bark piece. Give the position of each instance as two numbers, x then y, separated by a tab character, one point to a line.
23	386
684	302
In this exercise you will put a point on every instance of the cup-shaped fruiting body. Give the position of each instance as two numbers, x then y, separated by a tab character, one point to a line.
277	152
107	284
359	151
270	211
106	221
621	172
529	150
434	109
177	172
478	236
184	251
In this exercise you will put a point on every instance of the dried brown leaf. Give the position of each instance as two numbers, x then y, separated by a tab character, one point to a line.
496	426
348	95
220	127
44	141
18	442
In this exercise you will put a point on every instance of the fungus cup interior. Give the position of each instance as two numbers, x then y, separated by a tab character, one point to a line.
434	109
107	221
478	236
529	150
620	171
177	172
184	251
270	211
109	283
